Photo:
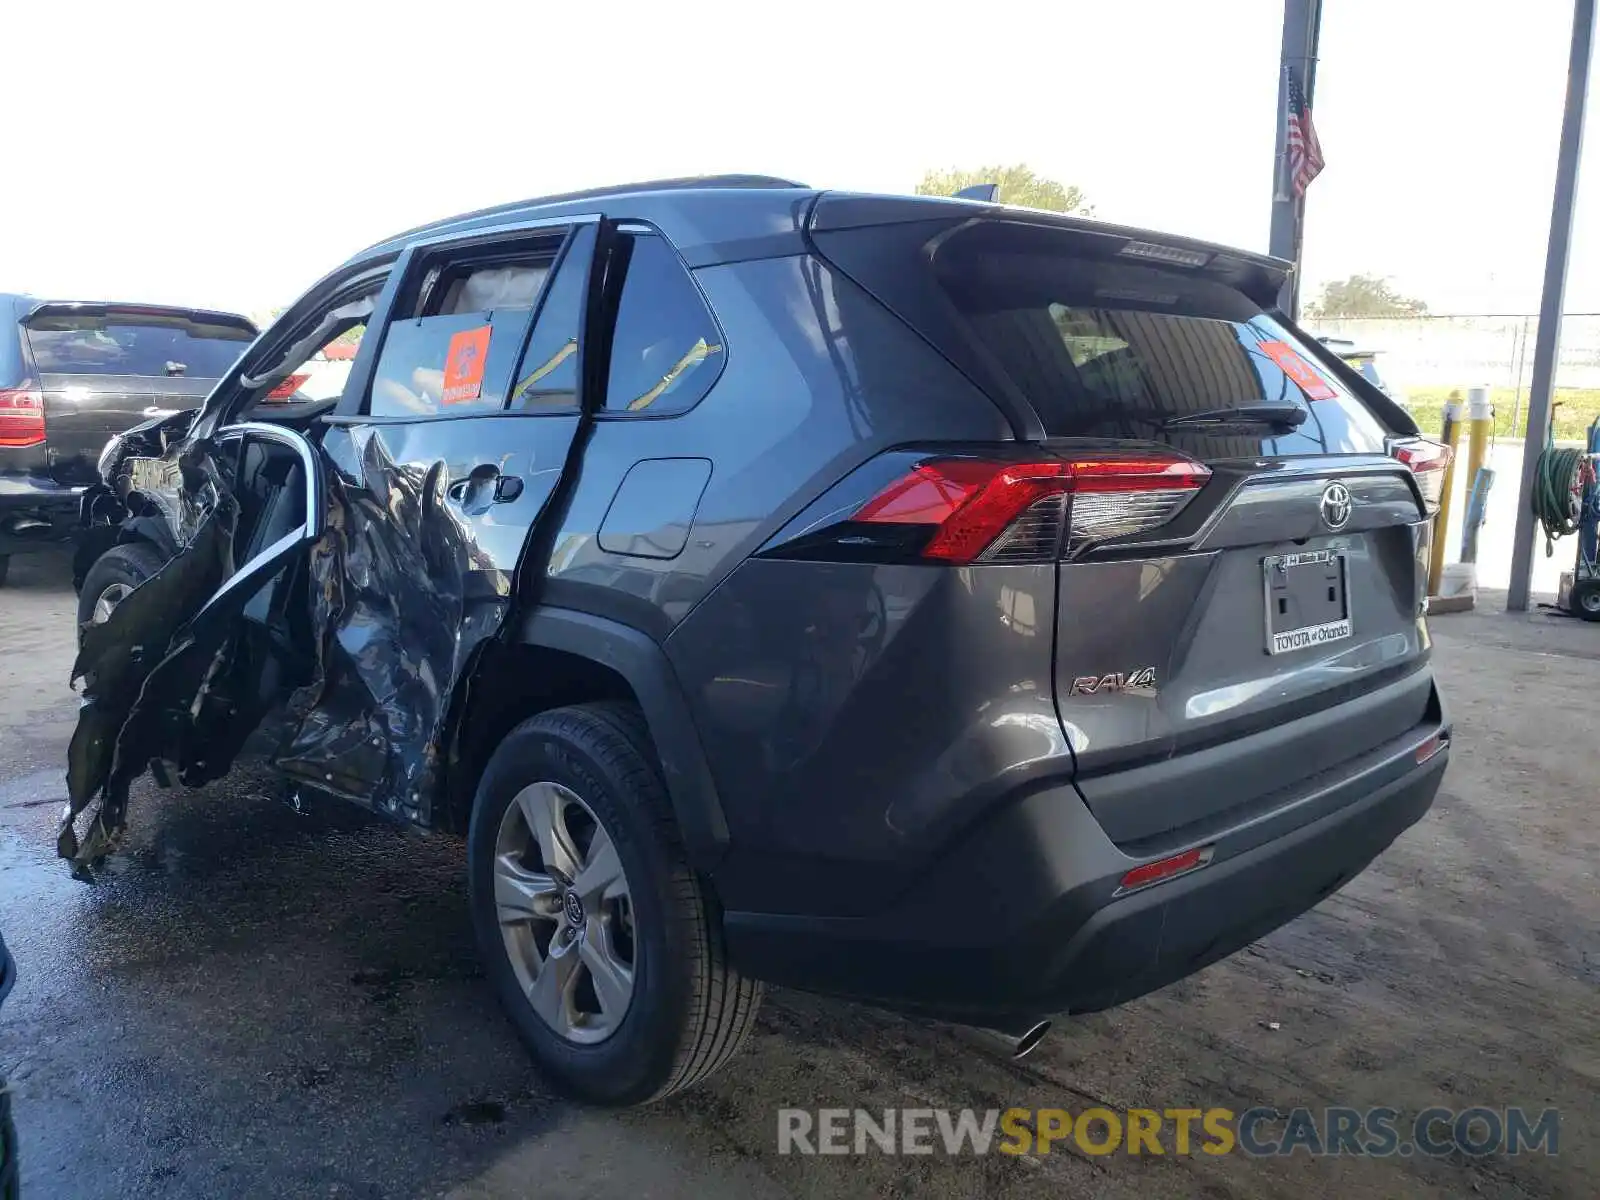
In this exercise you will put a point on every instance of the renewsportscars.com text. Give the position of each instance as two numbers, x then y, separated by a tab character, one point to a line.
1256	1132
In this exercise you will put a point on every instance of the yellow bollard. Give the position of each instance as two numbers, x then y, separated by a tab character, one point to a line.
1450	436
1480	420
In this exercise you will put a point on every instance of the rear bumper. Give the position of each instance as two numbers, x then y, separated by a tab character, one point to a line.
36	511
1021	918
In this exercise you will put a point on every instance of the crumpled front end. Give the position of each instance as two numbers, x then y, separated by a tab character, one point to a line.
326	638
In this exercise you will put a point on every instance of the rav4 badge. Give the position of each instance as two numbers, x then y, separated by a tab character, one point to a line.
1143	678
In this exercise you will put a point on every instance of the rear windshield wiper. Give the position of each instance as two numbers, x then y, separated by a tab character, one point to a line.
1288	416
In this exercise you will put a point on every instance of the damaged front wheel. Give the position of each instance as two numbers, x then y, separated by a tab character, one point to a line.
600	940
112	577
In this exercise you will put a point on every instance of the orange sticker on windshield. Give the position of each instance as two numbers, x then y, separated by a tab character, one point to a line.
463	365
1305	376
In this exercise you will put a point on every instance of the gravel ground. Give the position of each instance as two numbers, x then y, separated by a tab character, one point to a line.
257	1003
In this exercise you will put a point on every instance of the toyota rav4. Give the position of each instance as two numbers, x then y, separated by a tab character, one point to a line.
975	611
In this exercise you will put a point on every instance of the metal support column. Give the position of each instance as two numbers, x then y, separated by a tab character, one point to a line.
1554	295
1302	20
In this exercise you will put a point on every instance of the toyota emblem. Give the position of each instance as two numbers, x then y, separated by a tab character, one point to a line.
1336	506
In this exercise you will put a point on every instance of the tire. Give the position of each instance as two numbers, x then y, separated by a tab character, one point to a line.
125	566
10	1172
5	568
689	1011
1585	599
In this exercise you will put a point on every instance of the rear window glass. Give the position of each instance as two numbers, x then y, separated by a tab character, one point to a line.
447	364
113	344
1109	349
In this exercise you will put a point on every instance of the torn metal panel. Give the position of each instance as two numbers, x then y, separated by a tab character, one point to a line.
192	663
119	659
388	602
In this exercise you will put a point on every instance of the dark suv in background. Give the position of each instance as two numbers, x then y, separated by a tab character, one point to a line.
72	373
972	610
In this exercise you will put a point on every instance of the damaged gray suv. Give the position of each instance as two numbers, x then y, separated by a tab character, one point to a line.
975	611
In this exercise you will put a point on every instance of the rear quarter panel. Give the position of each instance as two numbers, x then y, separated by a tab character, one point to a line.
819	378
845	710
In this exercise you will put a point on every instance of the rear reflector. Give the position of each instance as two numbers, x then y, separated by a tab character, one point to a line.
21	416
985	511
1427	461
1165	868
1431	747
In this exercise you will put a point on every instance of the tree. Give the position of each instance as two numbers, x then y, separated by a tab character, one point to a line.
1364	296
1019	184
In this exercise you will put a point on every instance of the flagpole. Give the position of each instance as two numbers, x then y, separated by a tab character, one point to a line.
1302	22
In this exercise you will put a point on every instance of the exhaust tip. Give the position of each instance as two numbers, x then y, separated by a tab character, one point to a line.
1028	1041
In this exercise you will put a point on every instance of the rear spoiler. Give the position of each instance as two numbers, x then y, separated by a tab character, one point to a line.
1258	276
107	308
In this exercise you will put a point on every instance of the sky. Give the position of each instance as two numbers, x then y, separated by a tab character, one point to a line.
228	155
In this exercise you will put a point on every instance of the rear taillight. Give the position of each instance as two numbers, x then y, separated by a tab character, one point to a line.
985	511
1428	461
21	416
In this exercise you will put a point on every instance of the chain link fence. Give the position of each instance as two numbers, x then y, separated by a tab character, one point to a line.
1422	359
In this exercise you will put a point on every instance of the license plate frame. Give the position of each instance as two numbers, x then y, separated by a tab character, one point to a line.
1298	612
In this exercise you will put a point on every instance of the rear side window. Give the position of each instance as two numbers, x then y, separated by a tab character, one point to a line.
466	351
11	373
130	344
477	289
666	351
454	363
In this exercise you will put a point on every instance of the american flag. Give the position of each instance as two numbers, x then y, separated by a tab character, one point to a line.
1304	152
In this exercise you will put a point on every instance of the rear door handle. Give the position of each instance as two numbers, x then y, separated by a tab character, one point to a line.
483	486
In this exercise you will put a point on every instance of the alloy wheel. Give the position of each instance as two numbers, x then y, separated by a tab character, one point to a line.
565	912
110	596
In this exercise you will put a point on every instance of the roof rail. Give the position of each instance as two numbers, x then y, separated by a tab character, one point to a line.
681	183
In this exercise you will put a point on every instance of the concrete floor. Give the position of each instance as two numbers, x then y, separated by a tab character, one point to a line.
261	1004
